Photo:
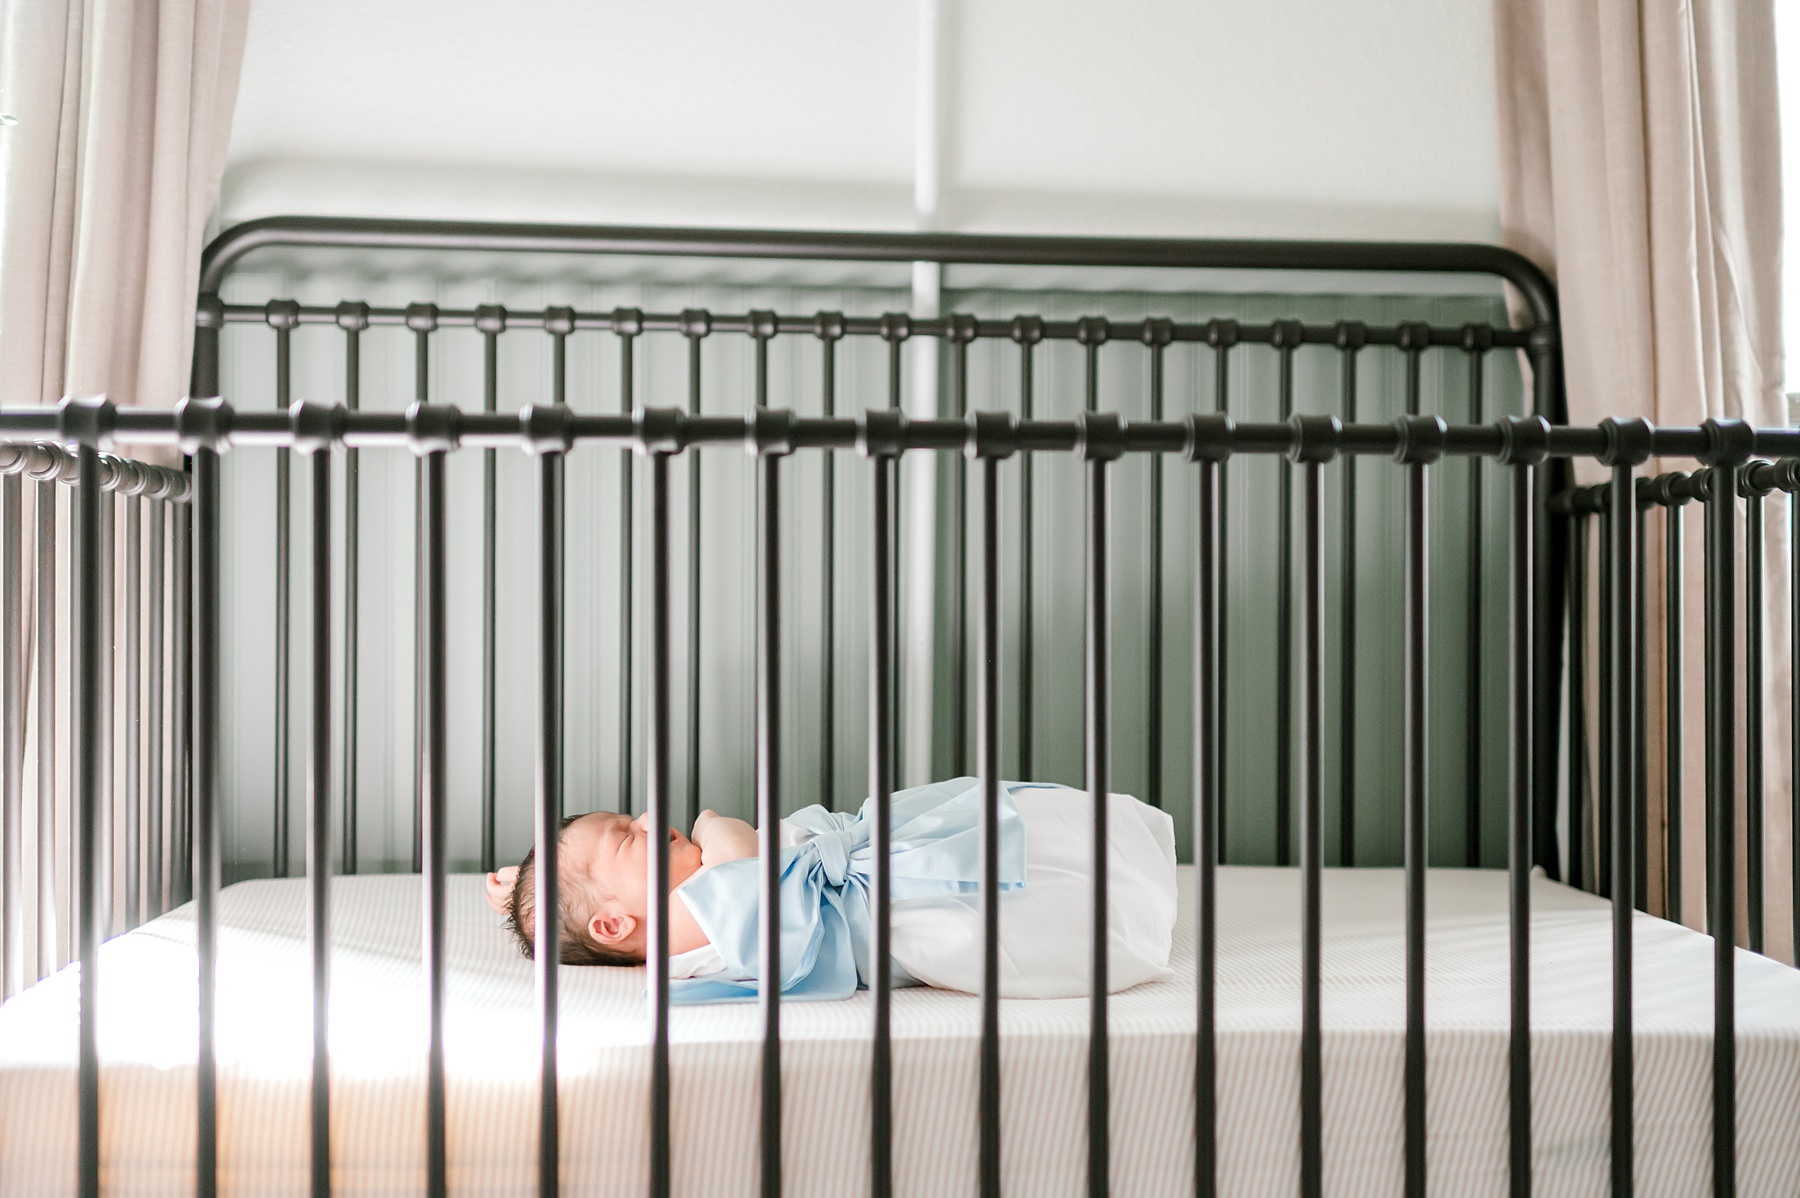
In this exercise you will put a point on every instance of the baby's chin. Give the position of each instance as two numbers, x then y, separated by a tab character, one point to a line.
684	862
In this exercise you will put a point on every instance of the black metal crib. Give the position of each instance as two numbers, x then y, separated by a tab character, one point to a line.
1546	586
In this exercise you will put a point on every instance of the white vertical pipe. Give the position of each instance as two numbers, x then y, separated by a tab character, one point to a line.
919	490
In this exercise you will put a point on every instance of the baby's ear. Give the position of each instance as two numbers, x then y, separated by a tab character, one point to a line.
611	927
499	890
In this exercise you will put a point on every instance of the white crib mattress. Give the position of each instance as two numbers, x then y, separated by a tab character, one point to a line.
148	1024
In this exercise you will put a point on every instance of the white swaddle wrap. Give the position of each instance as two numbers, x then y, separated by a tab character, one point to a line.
1044	925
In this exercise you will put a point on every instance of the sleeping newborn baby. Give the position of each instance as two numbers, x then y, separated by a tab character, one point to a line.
1045	878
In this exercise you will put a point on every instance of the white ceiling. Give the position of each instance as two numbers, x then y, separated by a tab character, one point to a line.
1361	118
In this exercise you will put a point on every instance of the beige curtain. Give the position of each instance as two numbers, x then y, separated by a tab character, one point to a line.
124	111
1640	164
120	111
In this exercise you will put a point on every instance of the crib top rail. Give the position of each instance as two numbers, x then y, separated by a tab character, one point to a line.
547	428
890	326
1532	284
44	461
1677	488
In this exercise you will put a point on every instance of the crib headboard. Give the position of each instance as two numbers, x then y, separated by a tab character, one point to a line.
720	321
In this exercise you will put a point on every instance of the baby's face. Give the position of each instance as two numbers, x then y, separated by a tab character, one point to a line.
613	851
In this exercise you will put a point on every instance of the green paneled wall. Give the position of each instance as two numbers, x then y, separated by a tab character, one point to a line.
593	690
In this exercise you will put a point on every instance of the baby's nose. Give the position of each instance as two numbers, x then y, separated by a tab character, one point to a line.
642	822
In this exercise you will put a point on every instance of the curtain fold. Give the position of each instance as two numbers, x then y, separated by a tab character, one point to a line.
108	178
1640	164
121	113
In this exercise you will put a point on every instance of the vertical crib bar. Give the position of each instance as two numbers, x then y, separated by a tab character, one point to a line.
183	769
1709	551
962	331
1521	757
881	786
547	811
1414	338
318	821
1351	335
1721	899
762	327
1673	685
1027	331
696	325
829	327
352	318
12	780
896	328
90	801
1753	705
283	315
418	741
768	806
204	689
1157	335
48	957
1424	436
490	321
103	759
133	648
1312	832
656	797
1576	733
1476	339
1622	648
626	324
1098	742
1640	730
987	748
1207	699
1285	336
1222	335
1091	332
1421	447
1602	824
155	794
421	319
1794	711
1416	753
560	323
768	760
433	793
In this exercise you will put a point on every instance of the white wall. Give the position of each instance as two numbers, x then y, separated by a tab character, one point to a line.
1316	118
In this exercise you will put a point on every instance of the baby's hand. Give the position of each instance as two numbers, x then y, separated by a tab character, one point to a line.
722	838
500	888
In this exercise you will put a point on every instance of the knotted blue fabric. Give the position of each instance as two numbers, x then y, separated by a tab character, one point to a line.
825	889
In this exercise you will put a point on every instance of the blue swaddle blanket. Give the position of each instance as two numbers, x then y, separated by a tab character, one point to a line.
825	889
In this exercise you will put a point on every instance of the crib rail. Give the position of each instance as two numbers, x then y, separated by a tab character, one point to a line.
111	685
1531	451
1204	443
1618	804
135	678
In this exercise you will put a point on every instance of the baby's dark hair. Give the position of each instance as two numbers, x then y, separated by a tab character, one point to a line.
576	945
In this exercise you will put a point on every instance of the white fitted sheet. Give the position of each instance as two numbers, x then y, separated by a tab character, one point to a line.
148	1029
